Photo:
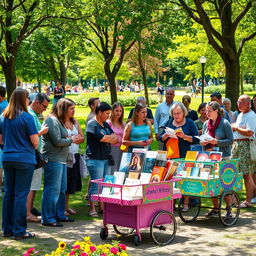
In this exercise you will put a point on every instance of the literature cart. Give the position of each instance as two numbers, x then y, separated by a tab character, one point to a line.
222	184
153	209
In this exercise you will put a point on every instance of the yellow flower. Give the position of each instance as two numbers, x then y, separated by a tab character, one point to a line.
87	239
62	245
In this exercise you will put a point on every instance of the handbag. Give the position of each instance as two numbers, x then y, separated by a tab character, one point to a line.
253	150
40	160
83	167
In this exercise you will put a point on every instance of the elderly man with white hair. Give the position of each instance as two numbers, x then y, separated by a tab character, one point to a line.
244	130
142	100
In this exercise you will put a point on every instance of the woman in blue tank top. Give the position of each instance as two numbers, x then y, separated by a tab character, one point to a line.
138	132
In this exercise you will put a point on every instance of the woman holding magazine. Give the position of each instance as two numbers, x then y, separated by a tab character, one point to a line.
138	132
185	130
222	136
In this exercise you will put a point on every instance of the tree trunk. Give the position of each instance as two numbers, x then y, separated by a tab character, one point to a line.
253	82
241	83
144	79
10	78
39	84
63	72
112	83
232	80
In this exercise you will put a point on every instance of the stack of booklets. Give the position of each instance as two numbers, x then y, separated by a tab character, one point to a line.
204	156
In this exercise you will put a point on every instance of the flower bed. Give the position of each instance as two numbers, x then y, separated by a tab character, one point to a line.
84	248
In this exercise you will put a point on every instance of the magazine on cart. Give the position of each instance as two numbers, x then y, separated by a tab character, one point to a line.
125	161
150	161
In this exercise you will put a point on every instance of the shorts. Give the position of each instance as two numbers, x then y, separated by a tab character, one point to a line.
37	179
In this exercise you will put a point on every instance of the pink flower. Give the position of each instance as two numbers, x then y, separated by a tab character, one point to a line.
26	254
103	254
76	247
72	253
83	254
36	252
30	250
93	248
114	250
122	246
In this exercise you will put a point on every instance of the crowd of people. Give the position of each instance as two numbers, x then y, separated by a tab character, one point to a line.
107	136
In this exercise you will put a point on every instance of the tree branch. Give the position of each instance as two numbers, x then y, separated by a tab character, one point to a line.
190	12
241	15
244	40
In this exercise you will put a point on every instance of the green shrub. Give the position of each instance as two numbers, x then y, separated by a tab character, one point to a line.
126	99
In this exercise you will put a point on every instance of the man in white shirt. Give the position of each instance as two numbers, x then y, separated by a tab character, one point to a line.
244	130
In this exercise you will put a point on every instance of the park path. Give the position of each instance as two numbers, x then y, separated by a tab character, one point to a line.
203	237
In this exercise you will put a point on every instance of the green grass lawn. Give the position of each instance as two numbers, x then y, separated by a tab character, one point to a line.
77	201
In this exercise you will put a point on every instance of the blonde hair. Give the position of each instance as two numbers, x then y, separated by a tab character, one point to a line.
17	103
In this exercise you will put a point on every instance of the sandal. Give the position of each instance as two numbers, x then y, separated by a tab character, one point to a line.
185	208
33	218
93	214
66	213
245	204
53	224
25	236
71	211
212	213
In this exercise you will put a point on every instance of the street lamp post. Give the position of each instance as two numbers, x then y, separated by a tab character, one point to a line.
203	61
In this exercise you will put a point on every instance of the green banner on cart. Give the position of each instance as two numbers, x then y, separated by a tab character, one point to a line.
156	192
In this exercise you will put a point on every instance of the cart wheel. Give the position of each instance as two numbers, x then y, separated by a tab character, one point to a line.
137	240
229	208
123	230
103	233
194	207
163	228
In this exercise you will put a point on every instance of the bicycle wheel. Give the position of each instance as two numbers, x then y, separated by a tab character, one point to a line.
229	208
192	211
163	228
123	230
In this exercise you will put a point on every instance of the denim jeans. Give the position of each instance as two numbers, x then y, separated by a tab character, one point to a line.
54	198
98	169
17	182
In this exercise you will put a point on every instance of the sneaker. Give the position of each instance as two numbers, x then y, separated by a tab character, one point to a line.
185	209
212	213
229	215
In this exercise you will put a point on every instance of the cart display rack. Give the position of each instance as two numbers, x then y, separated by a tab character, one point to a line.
154	209
223	185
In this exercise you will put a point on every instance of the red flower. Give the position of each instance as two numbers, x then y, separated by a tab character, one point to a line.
30	250
103	254
72	253
83	254
93	248
76	247
122	246
114	250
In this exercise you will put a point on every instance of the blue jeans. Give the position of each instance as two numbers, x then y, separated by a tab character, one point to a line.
54	198
98	169
17	182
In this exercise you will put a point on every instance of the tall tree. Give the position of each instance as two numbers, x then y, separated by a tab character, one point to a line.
113	29
229	15
18	20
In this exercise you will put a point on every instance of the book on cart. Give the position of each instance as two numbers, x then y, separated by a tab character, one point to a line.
203	156
134	175
171	169
204	173
161	158
215	156
125	162
191	155
108	190
195	172
137	160
144	179
158	174
131	191
150	161
119	179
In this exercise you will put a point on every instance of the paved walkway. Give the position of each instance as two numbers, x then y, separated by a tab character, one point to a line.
203	237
